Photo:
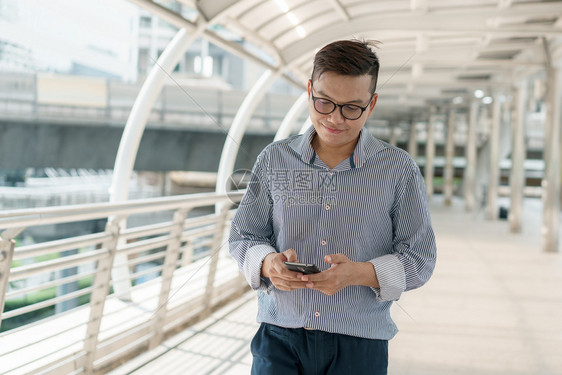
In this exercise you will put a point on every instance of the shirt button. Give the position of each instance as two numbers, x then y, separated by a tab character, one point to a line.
317	314
331	173
324	242
327	206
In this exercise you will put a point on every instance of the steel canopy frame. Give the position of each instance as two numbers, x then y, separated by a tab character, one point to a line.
238	128
428	24
132	134
298	107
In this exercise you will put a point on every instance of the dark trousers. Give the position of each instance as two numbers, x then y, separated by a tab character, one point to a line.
283	351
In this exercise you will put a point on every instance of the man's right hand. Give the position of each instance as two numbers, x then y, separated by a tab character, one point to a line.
274	269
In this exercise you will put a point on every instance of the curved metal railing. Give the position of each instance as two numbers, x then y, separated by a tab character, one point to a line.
177	273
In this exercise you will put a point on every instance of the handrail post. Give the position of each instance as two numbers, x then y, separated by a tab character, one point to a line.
108	100
99	296
170	261
215	254
6	255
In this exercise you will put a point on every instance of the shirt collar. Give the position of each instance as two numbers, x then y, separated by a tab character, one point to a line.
366	147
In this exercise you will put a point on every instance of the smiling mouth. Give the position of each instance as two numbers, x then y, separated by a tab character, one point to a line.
333	131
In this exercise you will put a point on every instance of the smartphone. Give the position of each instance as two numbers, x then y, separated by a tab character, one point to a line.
302	267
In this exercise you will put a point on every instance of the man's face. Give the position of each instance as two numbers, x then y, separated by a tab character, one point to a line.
334	130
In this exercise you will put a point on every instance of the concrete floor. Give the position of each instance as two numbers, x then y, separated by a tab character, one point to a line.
493	306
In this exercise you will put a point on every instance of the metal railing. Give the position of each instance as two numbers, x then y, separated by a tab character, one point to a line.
75	99
185	274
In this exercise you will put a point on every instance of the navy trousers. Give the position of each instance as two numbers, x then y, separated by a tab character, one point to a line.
283	351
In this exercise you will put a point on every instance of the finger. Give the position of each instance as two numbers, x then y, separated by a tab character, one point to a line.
288	285
291	255
316	277
281	271
336	258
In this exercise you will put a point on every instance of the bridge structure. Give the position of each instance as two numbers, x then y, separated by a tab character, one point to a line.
469	73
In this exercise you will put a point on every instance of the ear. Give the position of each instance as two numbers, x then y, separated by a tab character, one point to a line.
372	104
309	88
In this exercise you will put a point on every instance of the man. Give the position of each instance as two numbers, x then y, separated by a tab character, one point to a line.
347	202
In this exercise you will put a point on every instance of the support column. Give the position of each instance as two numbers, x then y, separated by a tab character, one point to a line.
307	124
517	175
393	134
238	128
413	143
551	181
449	172
470	155
132	134
494	141
7	246
430	152
298	107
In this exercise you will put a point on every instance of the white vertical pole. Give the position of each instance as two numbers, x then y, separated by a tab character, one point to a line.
132	134
7	246
169	266
448	173
305	126
238	127
430	152
492	199
413	143
517	176
393	134
551	183
470	155
99	296
298	107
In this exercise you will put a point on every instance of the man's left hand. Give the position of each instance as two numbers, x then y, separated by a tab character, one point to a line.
342	273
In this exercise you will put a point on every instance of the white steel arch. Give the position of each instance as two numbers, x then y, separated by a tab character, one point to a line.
132	134
305	126
238	128
459	47
298	107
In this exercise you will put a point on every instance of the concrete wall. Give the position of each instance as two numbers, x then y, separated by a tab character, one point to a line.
39	145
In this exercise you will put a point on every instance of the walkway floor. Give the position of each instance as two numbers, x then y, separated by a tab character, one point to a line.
493	306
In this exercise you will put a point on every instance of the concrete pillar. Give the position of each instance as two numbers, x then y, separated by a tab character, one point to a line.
469	178
393	134
551	181
494	160
430	152
413	143
449	172
517	175
482	169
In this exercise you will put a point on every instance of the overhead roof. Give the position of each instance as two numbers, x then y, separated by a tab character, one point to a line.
432	50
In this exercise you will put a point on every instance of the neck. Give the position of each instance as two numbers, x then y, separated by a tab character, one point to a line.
343	151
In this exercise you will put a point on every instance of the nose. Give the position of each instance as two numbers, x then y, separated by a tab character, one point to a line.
336	116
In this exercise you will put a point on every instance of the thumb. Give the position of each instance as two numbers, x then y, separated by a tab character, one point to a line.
336	258
291	255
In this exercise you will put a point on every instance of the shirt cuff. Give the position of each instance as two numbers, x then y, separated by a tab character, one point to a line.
391	276
252	267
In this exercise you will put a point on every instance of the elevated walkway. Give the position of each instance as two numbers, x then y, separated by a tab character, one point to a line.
493	307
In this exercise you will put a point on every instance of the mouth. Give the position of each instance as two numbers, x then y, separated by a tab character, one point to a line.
333	131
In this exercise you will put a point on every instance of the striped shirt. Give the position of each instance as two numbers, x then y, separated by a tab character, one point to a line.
372	207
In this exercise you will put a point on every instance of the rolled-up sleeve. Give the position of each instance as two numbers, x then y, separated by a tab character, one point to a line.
413	256
251	235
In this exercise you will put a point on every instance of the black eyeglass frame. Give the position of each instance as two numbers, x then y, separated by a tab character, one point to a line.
363	109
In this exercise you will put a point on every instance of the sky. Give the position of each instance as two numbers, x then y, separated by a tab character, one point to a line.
100	34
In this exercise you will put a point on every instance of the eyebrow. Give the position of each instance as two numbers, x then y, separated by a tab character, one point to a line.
356	101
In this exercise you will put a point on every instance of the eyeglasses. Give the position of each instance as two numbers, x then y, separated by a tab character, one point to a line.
348	111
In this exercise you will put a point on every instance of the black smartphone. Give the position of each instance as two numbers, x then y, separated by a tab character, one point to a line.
302	267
